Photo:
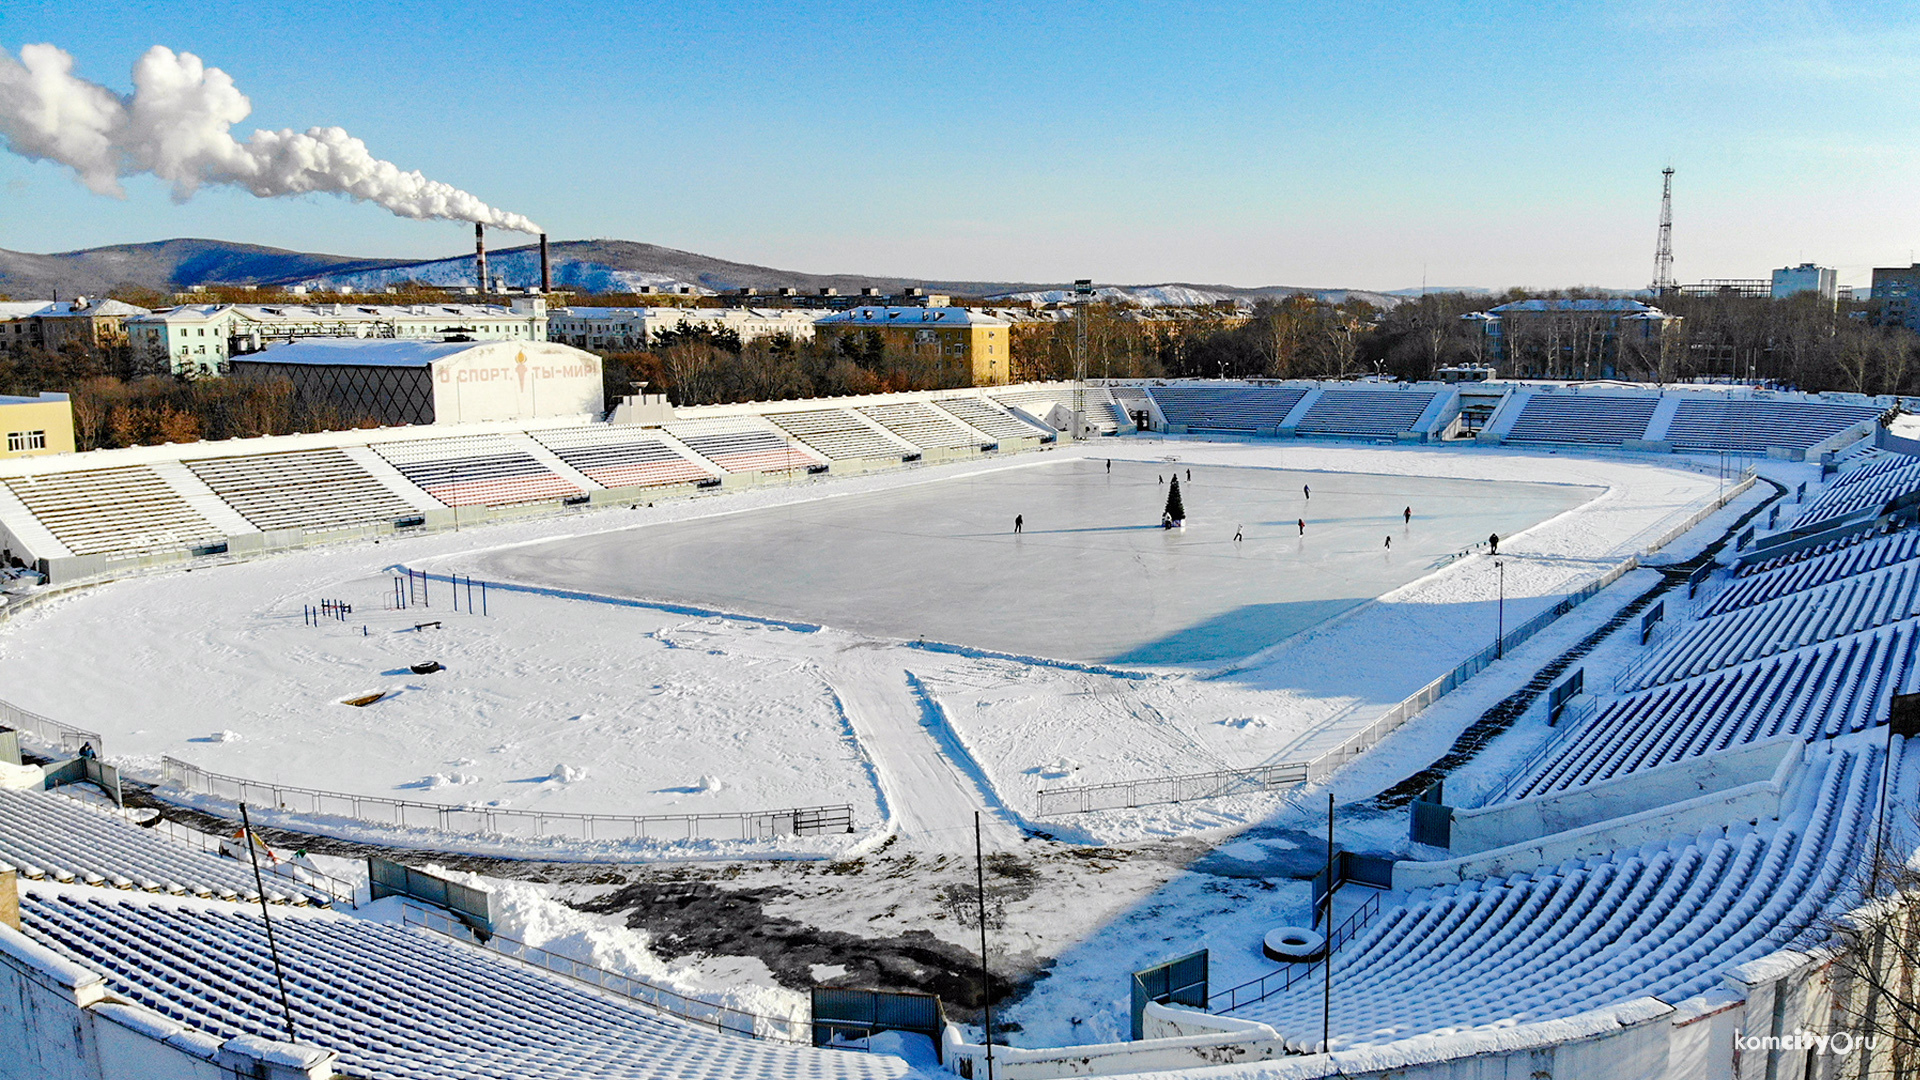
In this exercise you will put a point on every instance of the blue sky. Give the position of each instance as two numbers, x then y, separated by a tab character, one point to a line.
1361	145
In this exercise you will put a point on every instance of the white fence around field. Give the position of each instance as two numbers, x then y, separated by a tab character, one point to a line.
66	737
403	813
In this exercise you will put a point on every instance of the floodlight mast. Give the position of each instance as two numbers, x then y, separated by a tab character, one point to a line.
1082	296
1663	282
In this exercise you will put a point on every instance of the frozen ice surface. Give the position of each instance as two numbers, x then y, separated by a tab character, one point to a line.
1091	576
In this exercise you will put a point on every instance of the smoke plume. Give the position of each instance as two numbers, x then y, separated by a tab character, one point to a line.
175	125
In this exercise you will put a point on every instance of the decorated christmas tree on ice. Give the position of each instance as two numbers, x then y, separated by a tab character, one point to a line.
1175	516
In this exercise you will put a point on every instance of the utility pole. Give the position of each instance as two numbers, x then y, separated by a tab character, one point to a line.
1500	617
986	979
273	947
1326	993
1663	252
1082	296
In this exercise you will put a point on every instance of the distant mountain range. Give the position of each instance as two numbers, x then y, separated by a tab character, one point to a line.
597	266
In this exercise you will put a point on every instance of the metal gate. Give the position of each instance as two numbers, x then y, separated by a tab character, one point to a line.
842	1015
1182	981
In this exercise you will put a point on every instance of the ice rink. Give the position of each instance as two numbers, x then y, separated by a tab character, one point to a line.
1091	577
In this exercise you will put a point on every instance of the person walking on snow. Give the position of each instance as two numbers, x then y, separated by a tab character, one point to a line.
1389	541
1189	476
1306	490
1303	526
1493	541
1407	514
1019	520
1109	464
1237	537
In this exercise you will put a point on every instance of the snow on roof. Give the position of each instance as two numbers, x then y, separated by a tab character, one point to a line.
357	352
55	309
183	313
1611	304
361	312
911	316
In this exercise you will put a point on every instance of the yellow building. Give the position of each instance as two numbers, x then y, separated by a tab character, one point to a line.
979	341
36	426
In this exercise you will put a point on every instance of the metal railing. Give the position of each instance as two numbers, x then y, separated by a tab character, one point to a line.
51	732
403	813
1139	792
1705	512
1170	789
1275	982
721	1018
304	877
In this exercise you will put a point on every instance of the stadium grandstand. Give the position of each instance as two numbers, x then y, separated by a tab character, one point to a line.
1627	865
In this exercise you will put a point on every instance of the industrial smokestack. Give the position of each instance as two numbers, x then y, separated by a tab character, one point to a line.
480	256
546	271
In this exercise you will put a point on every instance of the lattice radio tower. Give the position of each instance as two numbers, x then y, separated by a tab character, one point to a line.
1663	282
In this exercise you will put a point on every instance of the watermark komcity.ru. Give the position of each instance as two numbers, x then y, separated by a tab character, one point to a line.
1840	1043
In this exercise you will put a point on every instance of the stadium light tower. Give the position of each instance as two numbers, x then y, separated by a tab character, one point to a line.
1663	251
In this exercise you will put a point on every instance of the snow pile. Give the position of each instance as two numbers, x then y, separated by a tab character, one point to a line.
526	913
436	781
566	774
224	735
21	777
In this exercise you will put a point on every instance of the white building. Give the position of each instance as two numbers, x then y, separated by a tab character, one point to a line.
192	337
206	335
434	382
634	328
1790	280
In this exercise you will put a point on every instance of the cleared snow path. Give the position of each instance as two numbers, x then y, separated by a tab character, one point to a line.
931	794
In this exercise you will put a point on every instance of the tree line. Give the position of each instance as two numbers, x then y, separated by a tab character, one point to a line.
123	398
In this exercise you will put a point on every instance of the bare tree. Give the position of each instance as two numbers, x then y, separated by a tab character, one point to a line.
1876	966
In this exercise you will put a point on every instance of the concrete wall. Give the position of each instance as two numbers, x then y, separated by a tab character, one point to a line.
1176	1039
58	1021
1713	810
516	381
1750	776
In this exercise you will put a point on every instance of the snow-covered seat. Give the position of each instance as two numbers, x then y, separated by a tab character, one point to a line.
991	419
1822	691
302	489
837	433
1366	412
48	835
1663	920
395	1001
1226	408
744	444
477	470
1849	606
922	425
621	456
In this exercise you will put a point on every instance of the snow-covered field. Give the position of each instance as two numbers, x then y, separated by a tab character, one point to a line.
565	703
